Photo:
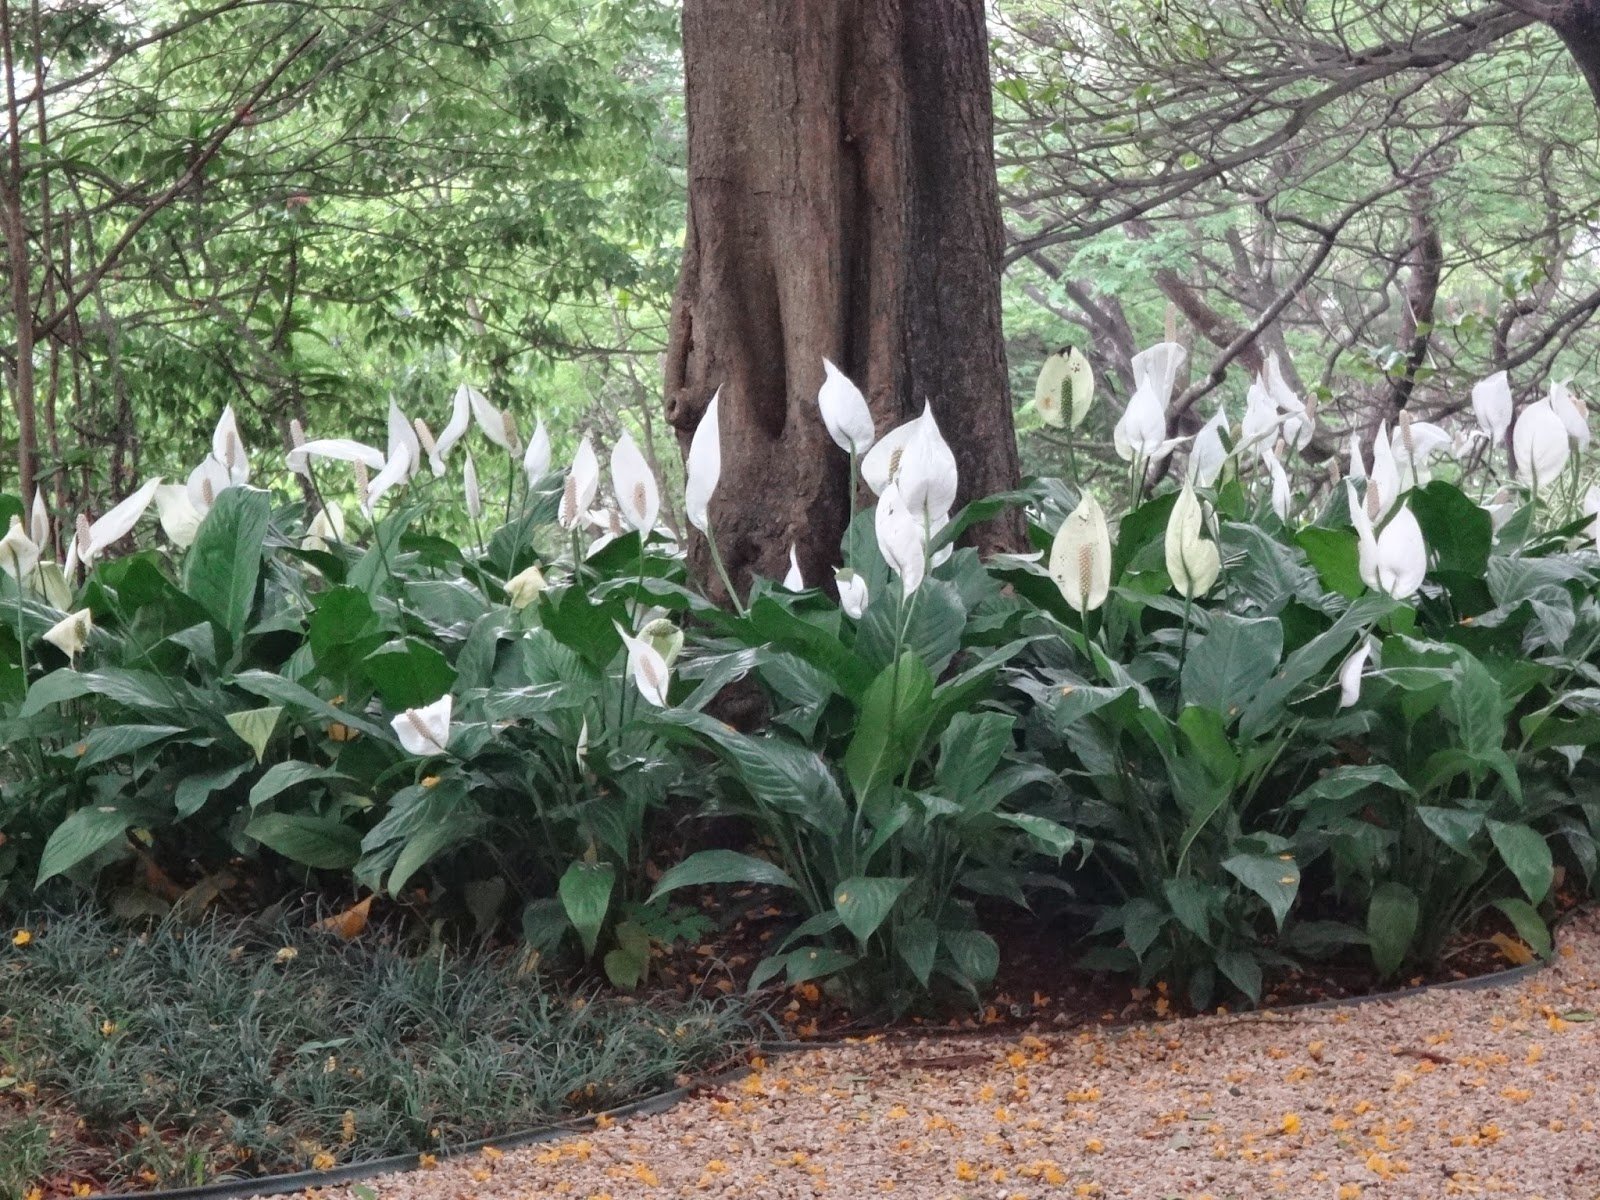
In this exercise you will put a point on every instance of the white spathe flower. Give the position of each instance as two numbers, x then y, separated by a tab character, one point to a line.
852	592
1491	405
1140	434
1385	476
663	636
1501	507
1282	496
1208	455
227	447
425	731
927	478
883	462
180	519
649	669
844	411
1541	444
116	524
1416	445
19	553
206	482
1080	556
397	468
1358	468
703	467
638	497
583	481
536	459
1297	422
901	539
39	520
327	526
1573	412
1350	673
469	484
403	439
455	428
794	581
1395	561
1193	563
71	634
1261	419
336	449
526	586
1065	389
1591	509
497	425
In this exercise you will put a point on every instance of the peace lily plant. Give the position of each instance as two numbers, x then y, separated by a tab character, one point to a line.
432	666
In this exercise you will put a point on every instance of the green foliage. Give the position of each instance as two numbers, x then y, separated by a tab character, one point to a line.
248	1042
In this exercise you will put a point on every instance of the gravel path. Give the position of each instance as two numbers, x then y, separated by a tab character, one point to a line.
1466	1093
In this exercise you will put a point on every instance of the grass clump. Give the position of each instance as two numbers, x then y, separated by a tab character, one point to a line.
184	1054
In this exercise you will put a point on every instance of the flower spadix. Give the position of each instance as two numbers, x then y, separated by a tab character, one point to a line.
1080	556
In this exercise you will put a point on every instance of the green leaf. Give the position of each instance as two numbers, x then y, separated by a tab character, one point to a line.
1476	707
221	569
1455	827
280	777
1530	926
1527	854
319	842
408	673
84	833
585	892
1243	970
1232	661
113	741
255	725
145	693
1347	780
1049	836
1392	916
974	952
889	731
1459	534
863	902
777	772
342	629
969	751
719	866
917	943
1335	553
194	790
1275	878
627	965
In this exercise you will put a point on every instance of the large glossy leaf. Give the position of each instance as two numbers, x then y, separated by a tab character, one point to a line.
1273	877
142	691
222	568
1392	916
113	741
408	673
84	833
1334	554
585	891
720	866
1232	662
863	902
778	773
1458	532
1527	854
889	731
343	628
315	841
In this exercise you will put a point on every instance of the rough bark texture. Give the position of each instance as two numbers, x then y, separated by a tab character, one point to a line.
1578	24
842	203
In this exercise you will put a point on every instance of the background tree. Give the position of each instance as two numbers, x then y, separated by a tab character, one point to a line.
841	204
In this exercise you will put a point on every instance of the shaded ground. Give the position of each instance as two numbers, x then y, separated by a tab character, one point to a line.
1489	1092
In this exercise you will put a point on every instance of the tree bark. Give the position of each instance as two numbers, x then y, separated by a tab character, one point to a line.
1577	23
842	204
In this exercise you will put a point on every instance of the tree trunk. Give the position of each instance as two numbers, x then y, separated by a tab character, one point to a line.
842	204
1577	22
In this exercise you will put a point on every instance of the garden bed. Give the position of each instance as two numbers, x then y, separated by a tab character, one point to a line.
232	1049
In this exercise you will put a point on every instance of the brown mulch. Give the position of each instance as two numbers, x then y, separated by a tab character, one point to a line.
1450	1093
